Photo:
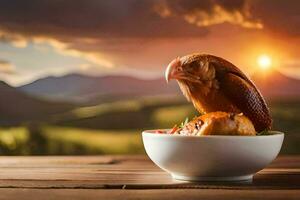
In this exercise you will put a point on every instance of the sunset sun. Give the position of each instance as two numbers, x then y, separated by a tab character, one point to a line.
264	62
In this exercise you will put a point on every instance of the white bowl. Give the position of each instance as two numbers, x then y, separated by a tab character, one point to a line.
212	158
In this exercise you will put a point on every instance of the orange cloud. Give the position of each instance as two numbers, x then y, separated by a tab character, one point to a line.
20	41
209	13
7	67
17	40
64	49
218	16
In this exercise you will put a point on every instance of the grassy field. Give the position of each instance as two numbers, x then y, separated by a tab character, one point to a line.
114	128
14	141
65	140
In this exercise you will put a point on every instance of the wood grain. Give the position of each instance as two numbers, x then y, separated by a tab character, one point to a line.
129	172
207	194
133	177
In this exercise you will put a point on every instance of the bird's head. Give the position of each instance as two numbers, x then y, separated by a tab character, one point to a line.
195	74
190	69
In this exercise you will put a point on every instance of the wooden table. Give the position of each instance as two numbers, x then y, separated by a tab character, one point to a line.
133	177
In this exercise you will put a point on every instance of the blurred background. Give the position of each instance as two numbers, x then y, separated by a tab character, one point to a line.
86	76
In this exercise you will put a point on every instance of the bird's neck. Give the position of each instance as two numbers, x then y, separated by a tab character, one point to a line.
207	100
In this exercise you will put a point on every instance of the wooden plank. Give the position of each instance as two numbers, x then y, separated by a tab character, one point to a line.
207	194
129	172
281	161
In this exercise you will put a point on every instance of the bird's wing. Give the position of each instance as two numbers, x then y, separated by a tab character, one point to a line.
243	93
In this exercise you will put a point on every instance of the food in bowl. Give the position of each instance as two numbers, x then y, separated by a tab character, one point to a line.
212	157
210	146
217	123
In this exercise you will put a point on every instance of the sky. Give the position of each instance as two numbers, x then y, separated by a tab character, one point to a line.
39	38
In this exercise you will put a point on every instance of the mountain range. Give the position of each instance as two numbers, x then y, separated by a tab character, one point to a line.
17	107
89	89
276	85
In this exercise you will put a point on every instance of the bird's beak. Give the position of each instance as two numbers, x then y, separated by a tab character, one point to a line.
171	71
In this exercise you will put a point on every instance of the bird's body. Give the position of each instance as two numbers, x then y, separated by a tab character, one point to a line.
214	84
208	99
